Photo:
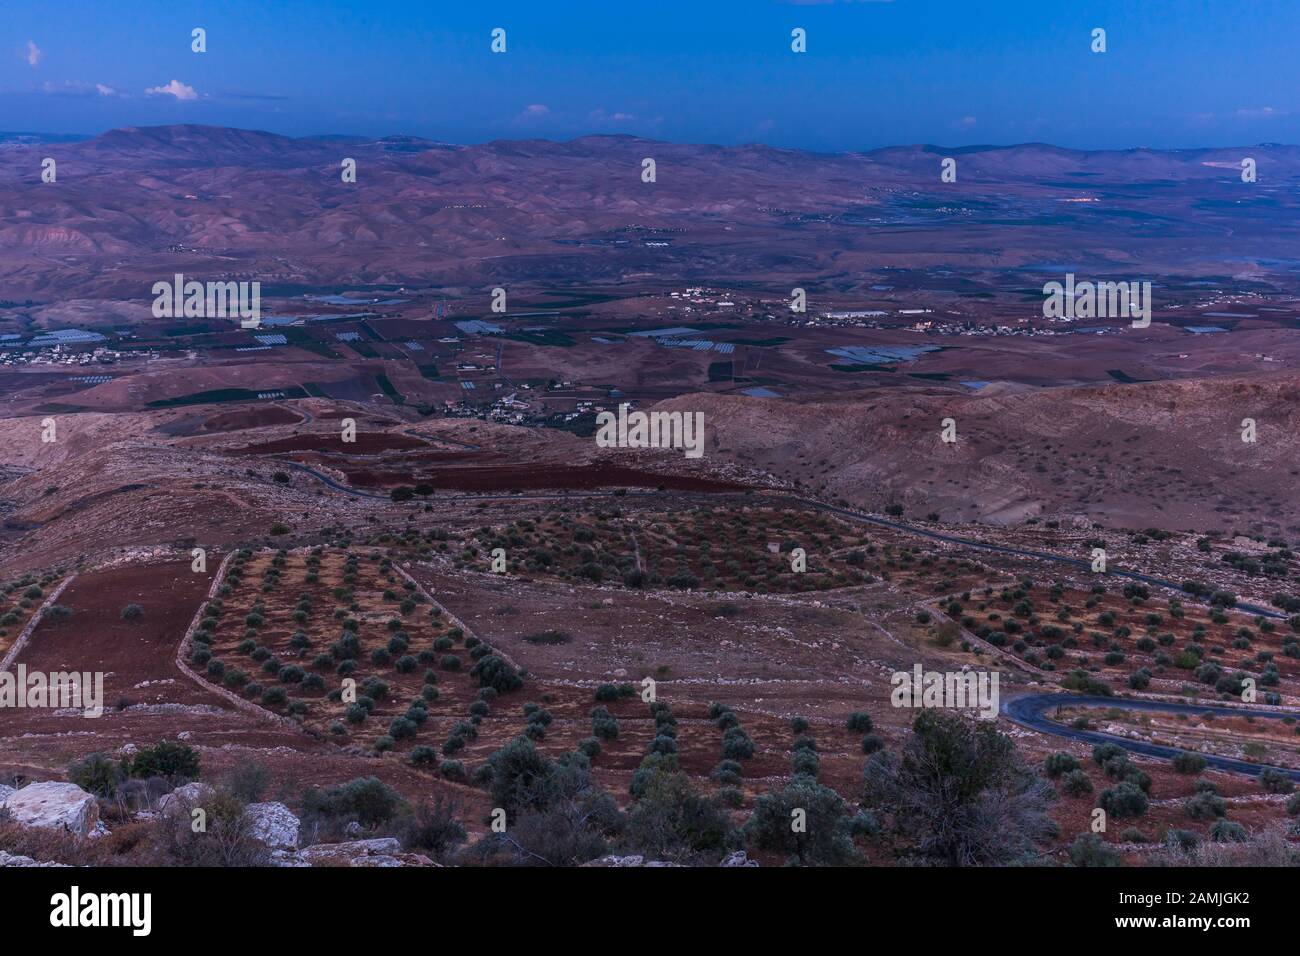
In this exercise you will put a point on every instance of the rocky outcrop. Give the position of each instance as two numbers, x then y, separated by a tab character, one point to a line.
738	858
381	852
189	794
11	859
273	824
62	806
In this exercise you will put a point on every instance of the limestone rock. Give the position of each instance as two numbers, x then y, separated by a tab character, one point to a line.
273	824
190	793
63	806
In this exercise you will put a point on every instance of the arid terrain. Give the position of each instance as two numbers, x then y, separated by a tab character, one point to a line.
376	537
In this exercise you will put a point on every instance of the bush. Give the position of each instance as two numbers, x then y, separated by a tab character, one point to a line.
1124	800
424	756
1206	806
1225	831
872	743
98	774
859	722
450	662
369	801
1275	781
492	671
1088	849
1076	783
1188	763
175	761
274	697
132	612
1059	763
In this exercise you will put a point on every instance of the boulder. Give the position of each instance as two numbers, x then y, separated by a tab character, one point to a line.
62	806
628	861
11	859
190	793
738	858
381	852
273	824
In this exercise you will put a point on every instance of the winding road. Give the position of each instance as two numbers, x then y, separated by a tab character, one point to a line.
1030	710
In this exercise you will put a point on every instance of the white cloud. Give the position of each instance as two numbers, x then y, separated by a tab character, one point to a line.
34	54
967	121
537	109
1264	112
182	91
77	88
617	117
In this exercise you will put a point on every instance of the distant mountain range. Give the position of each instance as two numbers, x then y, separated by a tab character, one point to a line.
136	203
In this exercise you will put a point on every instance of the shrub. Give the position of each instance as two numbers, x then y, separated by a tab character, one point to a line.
1088	849
132	612
98	773
1275	781
1225	831
1206	806
274	696
1188	763
1076	783
424	756
492	671
368	801
859	722
1124	800
169	759
1059	763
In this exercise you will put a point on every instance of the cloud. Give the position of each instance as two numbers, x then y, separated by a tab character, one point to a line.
616	117
536	109
182	91
1263	112
34	54
248	95
966	122
77	88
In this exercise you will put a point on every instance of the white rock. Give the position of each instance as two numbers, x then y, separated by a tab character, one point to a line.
4	792
63	806
381	852
11	859
273	824
190	793
738	858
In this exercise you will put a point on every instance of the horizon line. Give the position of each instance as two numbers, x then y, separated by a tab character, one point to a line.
955	150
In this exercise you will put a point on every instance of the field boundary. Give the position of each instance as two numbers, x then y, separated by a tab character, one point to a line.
230	697
26	633
456	622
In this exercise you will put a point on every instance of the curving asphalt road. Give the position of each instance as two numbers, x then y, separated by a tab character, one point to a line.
1028	711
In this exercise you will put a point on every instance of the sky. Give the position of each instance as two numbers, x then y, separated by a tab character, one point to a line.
1175	73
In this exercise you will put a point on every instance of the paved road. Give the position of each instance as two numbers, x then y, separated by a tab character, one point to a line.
1029	711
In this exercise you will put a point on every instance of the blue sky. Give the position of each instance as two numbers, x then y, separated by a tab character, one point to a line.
952	72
